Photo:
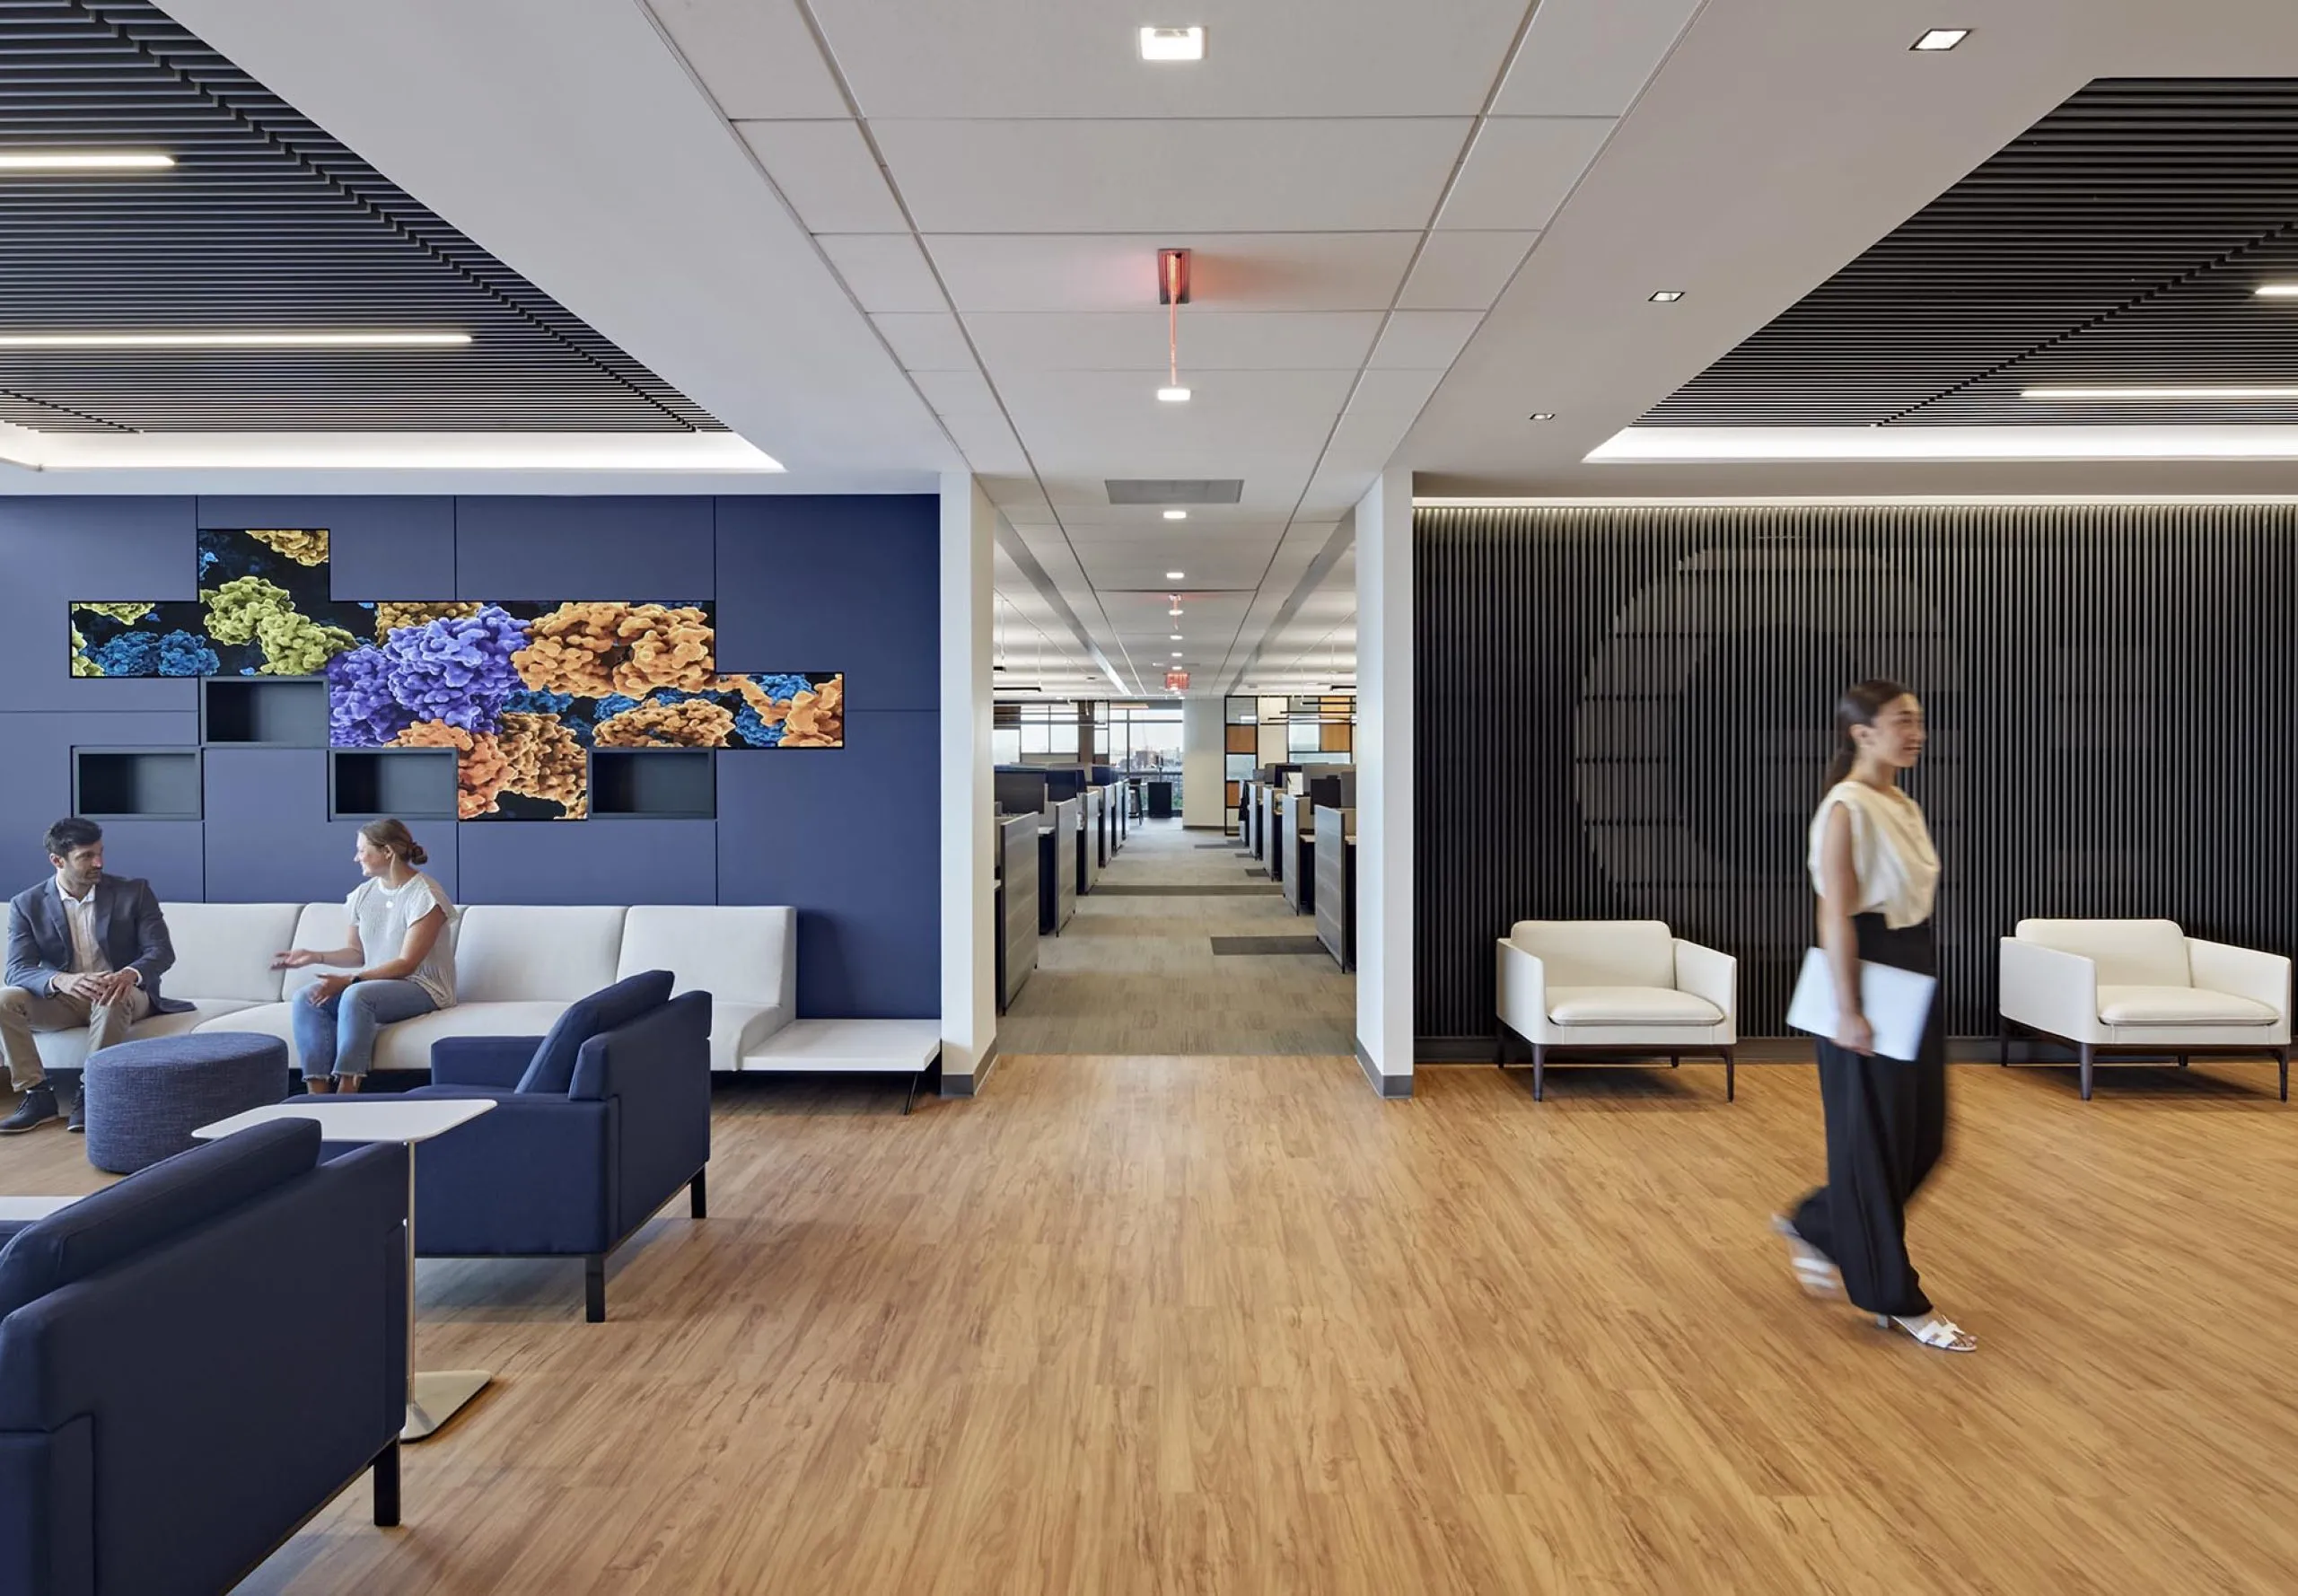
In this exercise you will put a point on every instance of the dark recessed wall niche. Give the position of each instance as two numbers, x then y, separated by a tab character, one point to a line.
147	784
412	784
286	712
664	784
1624	713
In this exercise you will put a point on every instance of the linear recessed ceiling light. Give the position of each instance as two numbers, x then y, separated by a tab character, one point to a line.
233	340
1175	575
1667	296
2278	291
1172	44
1174	395
1176	515
1686	445
83	160
1941	39
2134	394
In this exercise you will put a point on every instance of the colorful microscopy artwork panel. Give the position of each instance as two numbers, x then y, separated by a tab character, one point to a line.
522	690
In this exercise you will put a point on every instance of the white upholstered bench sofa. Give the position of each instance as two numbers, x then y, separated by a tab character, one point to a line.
517	968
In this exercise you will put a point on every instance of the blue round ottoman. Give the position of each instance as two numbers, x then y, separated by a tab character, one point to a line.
145	1098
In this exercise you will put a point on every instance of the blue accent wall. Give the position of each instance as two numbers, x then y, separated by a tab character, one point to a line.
847	835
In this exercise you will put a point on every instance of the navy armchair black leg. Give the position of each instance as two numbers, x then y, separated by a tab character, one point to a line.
697	1195
387	1487
594	1288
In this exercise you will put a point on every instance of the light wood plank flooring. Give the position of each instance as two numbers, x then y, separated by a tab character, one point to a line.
1137	975
1232	1325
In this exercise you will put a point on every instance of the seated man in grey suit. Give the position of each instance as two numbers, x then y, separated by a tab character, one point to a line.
83	949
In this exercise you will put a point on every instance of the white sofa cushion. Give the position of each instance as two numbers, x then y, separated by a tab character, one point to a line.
407	1045
2179	1005
68	1049
320	925
1600	953
1629	1005
224	950
745	957
515	953
2124	953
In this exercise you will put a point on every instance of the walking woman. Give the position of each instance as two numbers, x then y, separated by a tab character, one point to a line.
1877	873
400	954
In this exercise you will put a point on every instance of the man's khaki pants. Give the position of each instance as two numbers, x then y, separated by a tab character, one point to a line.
21	1014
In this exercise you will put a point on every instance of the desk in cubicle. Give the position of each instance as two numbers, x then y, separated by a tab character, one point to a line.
1336	901
1019	907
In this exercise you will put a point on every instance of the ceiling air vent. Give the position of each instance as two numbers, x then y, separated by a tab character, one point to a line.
1175	490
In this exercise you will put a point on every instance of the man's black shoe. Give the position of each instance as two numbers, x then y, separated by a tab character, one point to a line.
36	1110
77	1118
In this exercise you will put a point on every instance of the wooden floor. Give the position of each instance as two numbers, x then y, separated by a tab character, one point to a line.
1232	1325
1138	974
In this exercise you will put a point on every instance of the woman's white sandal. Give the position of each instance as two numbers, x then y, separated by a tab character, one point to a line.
1815	1271
1942	1335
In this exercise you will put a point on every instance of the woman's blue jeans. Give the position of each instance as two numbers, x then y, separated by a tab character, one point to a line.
337	1036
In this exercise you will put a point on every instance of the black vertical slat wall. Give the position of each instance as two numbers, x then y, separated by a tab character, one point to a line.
1625	714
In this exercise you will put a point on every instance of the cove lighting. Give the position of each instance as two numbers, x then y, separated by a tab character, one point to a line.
2278	291
2144	394
1941	39
1176	515
1667	296
1688	445
1172	44
233	340
1175	575
1173	396
83	160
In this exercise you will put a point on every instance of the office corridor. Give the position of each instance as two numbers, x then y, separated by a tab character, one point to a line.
1136	971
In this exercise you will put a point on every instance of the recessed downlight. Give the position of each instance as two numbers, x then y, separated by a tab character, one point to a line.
1176	637
1173	396
1667	296
1172	44
84	161
1176	515
233	340
1543	415
2137	394
1941	39
1175	575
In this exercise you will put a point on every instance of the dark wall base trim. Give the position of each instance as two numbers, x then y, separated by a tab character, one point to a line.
955	1085
1387	1086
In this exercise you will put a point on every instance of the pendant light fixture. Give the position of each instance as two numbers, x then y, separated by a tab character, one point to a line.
1173	293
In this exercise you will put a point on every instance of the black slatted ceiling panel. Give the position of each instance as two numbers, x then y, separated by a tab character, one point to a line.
1624	713
2119	242
264	224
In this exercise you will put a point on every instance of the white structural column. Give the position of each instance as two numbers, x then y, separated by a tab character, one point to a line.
969	883
1384	830
1204	726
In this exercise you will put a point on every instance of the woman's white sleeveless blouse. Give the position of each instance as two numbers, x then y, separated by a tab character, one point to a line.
1890	851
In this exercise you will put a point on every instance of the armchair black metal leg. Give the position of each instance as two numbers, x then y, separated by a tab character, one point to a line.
1675	1061
386	1467
697	1195
594	1288
2086	1071
1730	1076
1540	1073
2182	1061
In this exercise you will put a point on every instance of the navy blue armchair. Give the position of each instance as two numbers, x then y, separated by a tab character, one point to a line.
165	1422
572	1166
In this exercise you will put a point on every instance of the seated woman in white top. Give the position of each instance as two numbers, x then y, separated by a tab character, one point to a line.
400	954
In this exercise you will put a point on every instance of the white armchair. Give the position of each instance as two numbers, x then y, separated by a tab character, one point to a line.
2142	985
1627	986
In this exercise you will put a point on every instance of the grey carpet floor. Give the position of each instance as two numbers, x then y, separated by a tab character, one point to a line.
1136	972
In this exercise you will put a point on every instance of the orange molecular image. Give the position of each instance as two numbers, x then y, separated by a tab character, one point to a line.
598	650
691	723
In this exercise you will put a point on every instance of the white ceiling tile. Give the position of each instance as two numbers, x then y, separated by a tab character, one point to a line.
1520	171
987	442
887	272
1210	340
826	171
1174	177
1424	340
1379	415
1262	58
757	58
926	340
1464	271
1068	272
957	393
1590	57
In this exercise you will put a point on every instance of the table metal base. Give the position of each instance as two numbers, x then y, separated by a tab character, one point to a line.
438	1397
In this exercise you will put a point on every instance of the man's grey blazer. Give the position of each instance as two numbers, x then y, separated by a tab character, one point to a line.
129	928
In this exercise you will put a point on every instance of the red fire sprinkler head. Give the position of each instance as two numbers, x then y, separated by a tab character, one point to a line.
1172	276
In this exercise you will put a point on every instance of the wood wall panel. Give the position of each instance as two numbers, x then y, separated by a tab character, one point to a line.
1625	714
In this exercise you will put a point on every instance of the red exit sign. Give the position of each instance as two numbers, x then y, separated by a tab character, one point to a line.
1177	680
